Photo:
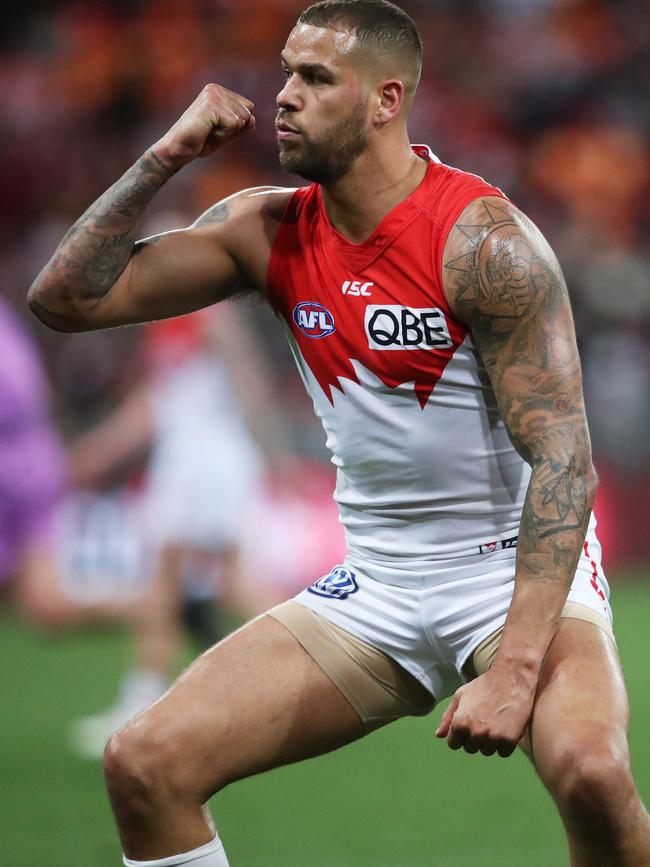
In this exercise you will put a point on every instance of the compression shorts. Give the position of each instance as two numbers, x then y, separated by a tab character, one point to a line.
433	632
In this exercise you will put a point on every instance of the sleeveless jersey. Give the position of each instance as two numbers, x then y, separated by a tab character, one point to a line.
425	468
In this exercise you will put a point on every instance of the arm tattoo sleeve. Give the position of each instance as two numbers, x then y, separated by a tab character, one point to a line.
504	282
95	251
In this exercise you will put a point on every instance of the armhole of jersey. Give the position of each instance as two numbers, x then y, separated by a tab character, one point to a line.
466	197
277	250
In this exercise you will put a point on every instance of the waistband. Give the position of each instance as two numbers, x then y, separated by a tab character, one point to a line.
421	573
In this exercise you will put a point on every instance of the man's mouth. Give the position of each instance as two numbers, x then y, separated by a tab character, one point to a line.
286	130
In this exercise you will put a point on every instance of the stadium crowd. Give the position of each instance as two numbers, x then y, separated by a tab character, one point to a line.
546	98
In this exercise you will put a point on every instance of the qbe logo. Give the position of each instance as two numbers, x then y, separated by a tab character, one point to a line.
395	327
313	319
339	584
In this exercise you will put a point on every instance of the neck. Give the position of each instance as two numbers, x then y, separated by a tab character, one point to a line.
378	181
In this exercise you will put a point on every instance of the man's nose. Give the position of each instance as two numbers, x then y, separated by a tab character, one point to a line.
289	97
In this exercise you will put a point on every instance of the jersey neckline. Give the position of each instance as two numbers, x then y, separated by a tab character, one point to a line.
392	223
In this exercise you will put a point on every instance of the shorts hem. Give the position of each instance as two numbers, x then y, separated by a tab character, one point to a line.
328	670
403	661
476	642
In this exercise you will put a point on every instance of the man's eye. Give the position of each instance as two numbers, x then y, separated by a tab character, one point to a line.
286	73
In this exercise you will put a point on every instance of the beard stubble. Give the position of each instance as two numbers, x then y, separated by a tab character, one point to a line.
326	160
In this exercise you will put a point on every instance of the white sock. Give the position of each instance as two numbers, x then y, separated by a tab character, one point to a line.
210	855
140	688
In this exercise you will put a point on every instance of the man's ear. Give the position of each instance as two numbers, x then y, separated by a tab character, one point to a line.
390	101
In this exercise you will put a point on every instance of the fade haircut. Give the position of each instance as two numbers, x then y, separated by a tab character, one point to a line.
379	26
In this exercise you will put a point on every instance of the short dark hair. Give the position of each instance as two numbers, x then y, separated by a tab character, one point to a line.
377	24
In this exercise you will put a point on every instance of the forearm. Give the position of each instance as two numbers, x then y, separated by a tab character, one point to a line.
553	526
503	280
95	251
124	433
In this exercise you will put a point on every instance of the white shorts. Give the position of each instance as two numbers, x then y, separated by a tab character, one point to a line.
432	629
199	487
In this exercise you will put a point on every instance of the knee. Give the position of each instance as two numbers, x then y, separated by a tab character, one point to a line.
593	782
48	612
40	598
137	769
150	764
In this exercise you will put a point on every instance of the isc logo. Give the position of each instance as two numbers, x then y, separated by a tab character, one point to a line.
355	287
313	319
396	327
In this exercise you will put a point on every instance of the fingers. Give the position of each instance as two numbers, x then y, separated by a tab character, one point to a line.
216	117
229	110
239	114
470	735
461	736
219	95
448	715
228	114
230	127
250	106
506	748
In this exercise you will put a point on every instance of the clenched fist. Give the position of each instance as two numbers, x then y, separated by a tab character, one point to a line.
217	116
489	715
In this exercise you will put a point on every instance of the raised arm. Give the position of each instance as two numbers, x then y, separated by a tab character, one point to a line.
503	280
100	277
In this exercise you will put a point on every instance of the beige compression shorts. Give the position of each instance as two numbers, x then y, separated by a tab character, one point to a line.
376	686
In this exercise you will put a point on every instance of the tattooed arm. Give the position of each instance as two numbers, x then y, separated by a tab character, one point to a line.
100	277
503	280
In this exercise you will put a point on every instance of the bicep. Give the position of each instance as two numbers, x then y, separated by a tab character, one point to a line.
168	275
503	280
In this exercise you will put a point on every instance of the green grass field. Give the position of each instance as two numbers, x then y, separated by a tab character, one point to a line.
398	799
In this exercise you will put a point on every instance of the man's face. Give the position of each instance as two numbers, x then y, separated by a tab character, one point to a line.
322	109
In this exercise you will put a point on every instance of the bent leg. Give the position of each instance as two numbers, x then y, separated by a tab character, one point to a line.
578	743
157	630
253	702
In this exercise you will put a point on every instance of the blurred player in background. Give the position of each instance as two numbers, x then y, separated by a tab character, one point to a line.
432	326
203	384
167	553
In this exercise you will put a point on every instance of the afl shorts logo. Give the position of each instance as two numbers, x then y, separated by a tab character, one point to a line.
313	319
394	327
340	583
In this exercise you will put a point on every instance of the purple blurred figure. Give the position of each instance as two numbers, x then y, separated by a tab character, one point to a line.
32	475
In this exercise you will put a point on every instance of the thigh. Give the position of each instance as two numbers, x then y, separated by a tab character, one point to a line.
253	702
377	687
581	708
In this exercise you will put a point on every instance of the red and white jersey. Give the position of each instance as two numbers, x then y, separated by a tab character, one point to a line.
425	467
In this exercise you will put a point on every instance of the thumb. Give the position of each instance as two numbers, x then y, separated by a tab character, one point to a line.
443	728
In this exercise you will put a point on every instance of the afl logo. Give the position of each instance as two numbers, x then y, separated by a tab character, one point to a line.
313	319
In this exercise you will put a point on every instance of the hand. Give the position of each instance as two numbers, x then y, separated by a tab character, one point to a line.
217	116
489	715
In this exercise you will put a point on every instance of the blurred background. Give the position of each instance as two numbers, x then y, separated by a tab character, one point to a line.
545	98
